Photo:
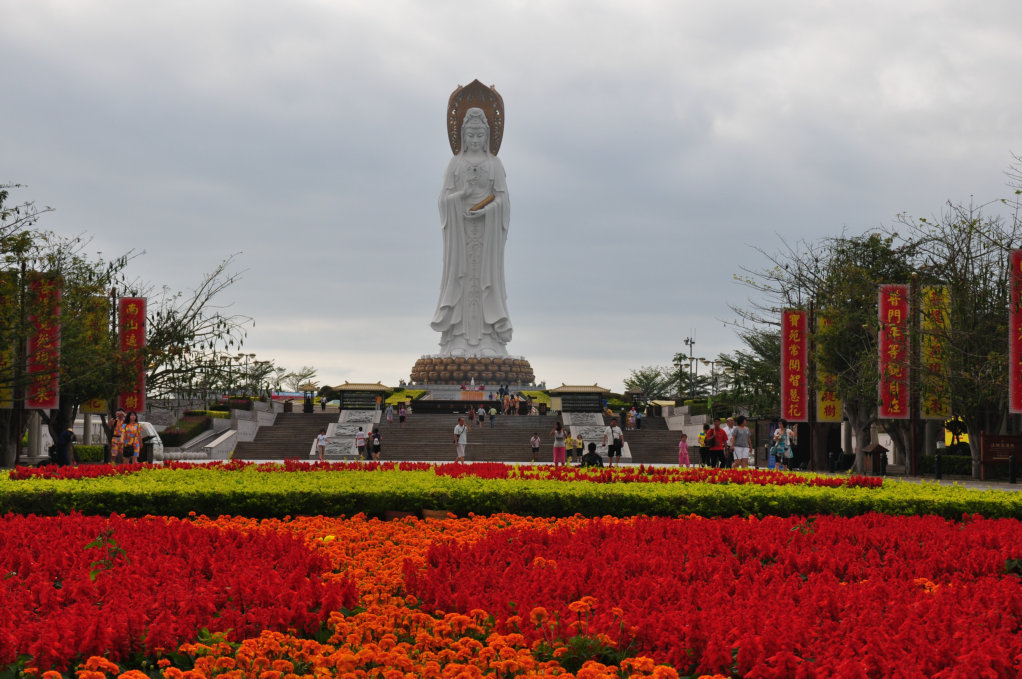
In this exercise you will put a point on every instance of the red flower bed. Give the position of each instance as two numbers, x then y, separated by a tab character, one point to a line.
874	595
75	586
92	471
486	470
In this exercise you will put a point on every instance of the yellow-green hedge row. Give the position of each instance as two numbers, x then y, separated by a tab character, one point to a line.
267	494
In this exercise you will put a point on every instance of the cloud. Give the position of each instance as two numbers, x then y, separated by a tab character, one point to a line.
650	148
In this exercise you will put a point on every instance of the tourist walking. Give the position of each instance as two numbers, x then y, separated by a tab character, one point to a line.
741	440
614	439
729	456
534	443
66	448
569	447
704	449
579	445
493	415
716	439
321	445
390	413
638	419
481	412
116	438
401	412
375	444
460	439
131	437
683	451
784	439
360	443
558	434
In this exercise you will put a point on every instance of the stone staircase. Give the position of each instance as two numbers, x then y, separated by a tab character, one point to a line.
429	437
291	436
656	444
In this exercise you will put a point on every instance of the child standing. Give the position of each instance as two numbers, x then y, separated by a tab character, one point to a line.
683	451
534	442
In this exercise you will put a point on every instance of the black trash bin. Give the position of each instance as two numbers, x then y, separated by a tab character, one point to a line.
289	407
146	454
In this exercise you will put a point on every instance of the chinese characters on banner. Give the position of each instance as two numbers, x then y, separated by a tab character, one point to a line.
828	403
131	333
935	321
794	366
1015	336
43	358
893	343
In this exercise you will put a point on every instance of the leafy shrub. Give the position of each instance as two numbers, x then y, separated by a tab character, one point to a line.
258	494
401	395
219	414
954	465
538	397
89	453
185	429
221	407
239	403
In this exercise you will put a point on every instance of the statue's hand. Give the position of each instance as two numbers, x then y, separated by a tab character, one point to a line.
469	213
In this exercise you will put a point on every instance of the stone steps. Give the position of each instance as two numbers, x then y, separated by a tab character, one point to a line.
431	437
291	436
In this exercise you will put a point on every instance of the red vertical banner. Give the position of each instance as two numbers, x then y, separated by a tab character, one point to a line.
43	357
893	388
794	366
8	323
1015	334
131	335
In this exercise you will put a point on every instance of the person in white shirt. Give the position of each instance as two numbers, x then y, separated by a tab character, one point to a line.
460	439
534	442
729	447
360	442
321	445
741	440
614	439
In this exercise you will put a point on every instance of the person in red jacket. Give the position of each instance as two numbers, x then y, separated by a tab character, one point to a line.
716	439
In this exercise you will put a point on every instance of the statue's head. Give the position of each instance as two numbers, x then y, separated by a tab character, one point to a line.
475	131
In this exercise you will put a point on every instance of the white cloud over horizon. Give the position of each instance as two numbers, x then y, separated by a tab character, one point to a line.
309	136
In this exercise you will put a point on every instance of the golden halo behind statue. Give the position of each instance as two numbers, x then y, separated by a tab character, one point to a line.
475	95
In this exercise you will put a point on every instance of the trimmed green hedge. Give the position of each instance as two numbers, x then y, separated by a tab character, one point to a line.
185	429
89	453
221	414
956	465
261	494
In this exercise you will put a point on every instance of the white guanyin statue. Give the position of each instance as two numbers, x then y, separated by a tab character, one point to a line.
472	314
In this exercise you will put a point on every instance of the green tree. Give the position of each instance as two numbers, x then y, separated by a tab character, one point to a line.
690	383
295	380
655	382
85	370
192	337
754	373
967	250
840	277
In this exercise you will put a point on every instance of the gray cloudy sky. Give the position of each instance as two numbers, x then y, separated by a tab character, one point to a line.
641	136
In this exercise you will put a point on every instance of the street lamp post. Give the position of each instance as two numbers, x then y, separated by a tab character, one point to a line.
691	344
713	381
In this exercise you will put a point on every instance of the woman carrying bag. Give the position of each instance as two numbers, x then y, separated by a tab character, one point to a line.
784	439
